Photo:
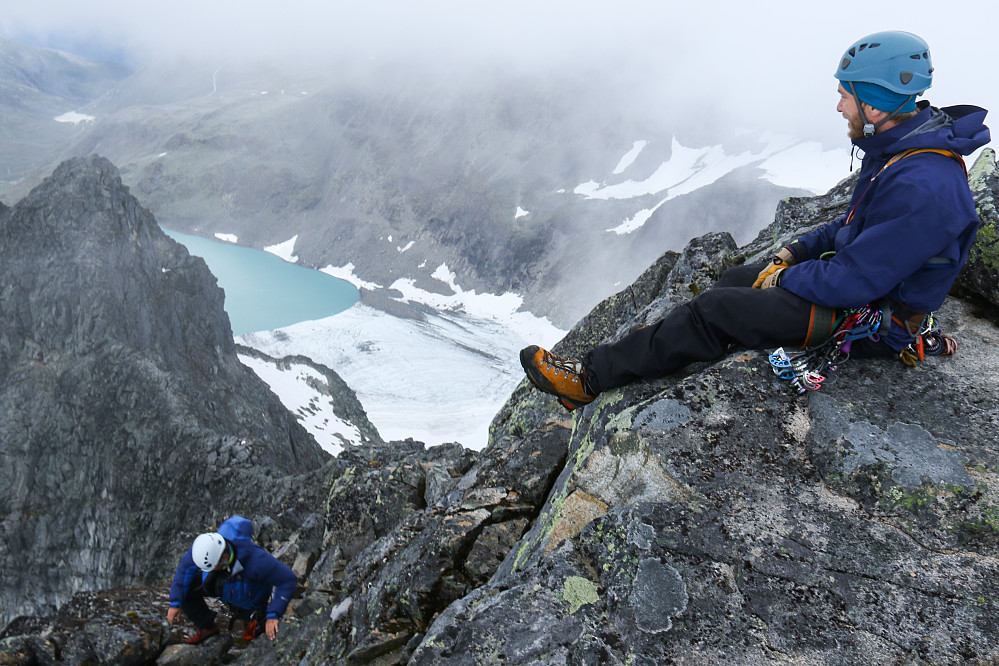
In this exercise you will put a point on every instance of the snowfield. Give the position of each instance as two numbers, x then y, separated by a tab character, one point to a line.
439	377
437	380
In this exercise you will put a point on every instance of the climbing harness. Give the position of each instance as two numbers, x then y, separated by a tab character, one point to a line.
805	370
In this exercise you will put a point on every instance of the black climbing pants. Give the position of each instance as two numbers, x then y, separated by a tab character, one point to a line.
198	612
195	608
729	314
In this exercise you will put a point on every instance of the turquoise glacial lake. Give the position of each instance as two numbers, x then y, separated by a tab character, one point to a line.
263	291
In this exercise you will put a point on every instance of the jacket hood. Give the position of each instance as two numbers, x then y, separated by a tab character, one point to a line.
236	528
957	128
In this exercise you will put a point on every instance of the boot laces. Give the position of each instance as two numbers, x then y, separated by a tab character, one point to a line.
572	369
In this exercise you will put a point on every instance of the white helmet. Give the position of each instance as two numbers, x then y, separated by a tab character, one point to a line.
207	550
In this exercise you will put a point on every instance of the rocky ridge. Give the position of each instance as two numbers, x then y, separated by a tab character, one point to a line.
710	517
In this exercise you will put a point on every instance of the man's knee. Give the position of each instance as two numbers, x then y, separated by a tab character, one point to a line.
740	276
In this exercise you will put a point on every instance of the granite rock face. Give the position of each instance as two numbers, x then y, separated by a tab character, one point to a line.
713	516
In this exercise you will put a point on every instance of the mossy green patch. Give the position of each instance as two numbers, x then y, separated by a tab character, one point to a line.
987	522
578	592
341	485
986	247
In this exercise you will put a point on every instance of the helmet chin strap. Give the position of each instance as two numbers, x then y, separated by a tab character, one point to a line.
869	127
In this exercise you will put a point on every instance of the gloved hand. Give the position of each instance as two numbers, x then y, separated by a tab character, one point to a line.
773	279
783	259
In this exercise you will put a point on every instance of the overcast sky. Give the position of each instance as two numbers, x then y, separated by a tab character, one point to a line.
766	63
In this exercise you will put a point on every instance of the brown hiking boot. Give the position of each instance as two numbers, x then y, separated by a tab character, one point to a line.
562	377
202	634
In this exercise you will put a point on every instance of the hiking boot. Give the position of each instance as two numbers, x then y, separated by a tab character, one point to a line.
562	377
202	634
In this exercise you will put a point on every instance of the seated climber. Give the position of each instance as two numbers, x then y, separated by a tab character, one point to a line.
910	225
229	566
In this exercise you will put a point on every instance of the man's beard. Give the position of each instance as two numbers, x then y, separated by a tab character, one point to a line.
855	128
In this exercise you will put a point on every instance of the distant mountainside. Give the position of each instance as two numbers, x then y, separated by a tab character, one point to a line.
37	86
392	172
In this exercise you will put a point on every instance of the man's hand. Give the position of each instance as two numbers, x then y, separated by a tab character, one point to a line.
172	614
782	260
271	627
773	279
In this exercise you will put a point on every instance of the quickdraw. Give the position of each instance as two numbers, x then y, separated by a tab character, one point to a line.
805	370
930	341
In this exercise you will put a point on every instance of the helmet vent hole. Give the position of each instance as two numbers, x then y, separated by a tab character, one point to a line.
853	52
874	46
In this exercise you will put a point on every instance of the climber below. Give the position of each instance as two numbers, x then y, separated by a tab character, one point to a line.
910	225
228	565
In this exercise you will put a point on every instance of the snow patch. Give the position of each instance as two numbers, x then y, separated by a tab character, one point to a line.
347	273
687	170
285	250
437	379
808	166
503	308
406	247
520	213
445	275
74	118
228	238
293	385
637	220
785	160
630	157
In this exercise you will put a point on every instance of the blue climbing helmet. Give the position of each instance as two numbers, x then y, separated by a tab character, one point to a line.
896	60
886	70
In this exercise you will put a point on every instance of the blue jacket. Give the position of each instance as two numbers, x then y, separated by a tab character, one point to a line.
254	576
919	208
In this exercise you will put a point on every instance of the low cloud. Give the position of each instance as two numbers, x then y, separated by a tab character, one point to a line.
731	63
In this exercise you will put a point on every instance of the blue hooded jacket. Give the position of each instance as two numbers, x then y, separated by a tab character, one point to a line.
919	208
253	577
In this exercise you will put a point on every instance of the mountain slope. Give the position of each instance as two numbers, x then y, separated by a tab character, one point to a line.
36	87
